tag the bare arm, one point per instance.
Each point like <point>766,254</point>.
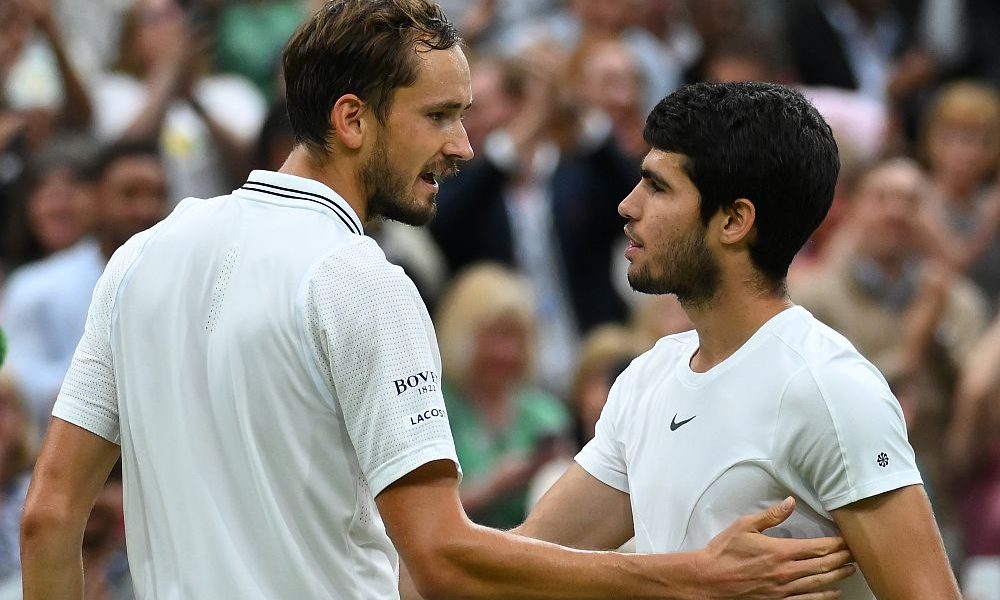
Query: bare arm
<point>450,557</point>
<point>978,385</point>
<point>566,513</point>
<point>69,474</point>
<point>77,107</point>
<point>896,543</point>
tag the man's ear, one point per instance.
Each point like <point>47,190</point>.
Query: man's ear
<point>738,222</point>
<point>348,121</point>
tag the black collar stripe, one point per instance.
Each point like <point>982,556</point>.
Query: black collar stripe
<point>320,196</point>
<point>350,225</point>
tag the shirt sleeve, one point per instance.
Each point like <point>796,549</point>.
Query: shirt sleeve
<point>89,394</point>
<point>604,456</point>
<point>841,432</point>
<point>375,342</point>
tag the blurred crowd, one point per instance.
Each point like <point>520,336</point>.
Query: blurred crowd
<point>112,113</point>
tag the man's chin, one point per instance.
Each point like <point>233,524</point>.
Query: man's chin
<point>417,216</point>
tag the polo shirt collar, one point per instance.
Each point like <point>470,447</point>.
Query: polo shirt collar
<point>294,190</point>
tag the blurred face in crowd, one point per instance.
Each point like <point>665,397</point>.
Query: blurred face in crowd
<point>159,26</point>
<point>421,141</point>
<point>606,15</point>
<point>131,197</point>
<point>964,154</point>
<point>610,79</point>
<point>499,359</point>
<point>59,210</point>
<point>886,206</point>
<point>494,106</point>
<point>715,19</point>
<point>667,247</point>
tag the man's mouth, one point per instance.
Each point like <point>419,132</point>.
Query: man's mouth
<point>633,242</point>
<point>439,172</point>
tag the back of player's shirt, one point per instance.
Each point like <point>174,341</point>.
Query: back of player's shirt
<point>256,341</point>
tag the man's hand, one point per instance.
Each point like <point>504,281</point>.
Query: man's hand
<point>741,562</point>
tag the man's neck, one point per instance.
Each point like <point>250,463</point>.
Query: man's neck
<point>731,318</point>
<point>338,175</point>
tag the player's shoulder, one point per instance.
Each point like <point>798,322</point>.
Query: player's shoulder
<point>360,265</point>
<point>813,342</point>
<point>826,363</point>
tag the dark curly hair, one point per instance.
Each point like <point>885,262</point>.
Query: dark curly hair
<point>760,141</point>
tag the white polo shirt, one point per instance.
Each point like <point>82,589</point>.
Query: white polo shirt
<point>267,373</point>
<point>796,411</point>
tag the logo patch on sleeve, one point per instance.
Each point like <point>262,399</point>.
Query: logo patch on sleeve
<point>423,382</point>
<point>882,459</point>
<point>430,413</point>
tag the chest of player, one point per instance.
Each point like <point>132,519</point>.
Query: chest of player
<point>700,450</point>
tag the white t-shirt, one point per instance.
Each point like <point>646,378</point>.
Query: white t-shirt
<point>795,411</point>
<point>267,373</point>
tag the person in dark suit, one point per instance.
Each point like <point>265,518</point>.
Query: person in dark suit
<point>564,170</point>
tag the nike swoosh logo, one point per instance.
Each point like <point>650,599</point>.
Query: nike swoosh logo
<point>674,424</point>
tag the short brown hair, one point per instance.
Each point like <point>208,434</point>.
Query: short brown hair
<point>362,47</point>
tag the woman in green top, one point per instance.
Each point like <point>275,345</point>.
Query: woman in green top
<point>505,429</point>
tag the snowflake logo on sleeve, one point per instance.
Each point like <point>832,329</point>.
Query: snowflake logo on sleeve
<point>882,459</point>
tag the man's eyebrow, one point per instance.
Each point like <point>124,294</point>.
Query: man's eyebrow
<point>648,174</point>
<point>448,105</point>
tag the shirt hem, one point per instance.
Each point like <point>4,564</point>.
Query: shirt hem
<point>388,473</point>
<point>874,488</point>
<point>606,476</point>
<point>96,424</point>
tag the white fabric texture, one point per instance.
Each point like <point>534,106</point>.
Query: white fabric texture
<point>267,373</point>
<point>796,411</point>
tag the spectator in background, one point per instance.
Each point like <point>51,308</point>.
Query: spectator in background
<point>604,353</point>
<point>162,90</point>
<point>505,429</point>
<point>905,311</point>
<point>55,211</point>
<point>960,144</point>
<point>498,88</point>
<point>39,81</point>
<point>583,21</point>
<point>541,197</point>
<point>605,78</point>
<point>715,22</point>
<point>972,442</point>
<point>858,45</point>
<point>18,443</point>
<point>972,454</point>
<point>45,303</point>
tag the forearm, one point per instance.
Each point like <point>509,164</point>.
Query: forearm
<point>484,563</point>
<point>77,107</point>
